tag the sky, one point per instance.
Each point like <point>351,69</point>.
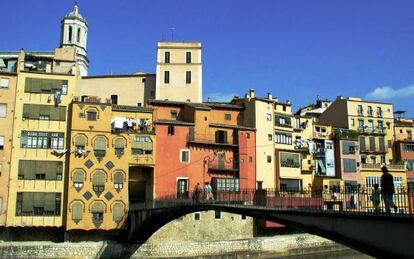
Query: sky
<point>296,49</point>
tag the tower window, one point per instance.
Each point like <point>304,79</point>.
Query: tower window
<point>78,36</point>
<point>167,57</point>
<point>188,77</point>
<point>188,57</point>
<point>166,77</point>
<point>70,34</point>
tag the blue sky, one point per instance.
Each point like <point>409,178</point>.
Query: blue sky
<point>296,49</point>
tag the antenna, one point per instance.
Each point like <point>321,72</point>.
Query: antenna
<point>172,29</point>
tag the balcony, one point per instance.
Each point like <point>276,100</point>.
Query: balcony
<point>223,166</point>
<point>322,135</point>
<point>372,131</point>
<point>208,139</point>
<point>284,125</point>
<point>373,151</point>
<point>346,134</point>
<point>377,167</point>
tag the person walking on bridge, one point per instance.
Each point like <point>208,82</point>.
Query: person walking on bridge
<point>387,189</point>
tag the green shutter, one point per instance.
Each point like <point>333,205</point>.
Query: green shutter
<point>80,141</point>
<point>34,112</point>
<point>78,176</point>
<point>98,207</point>
<point>100,143</point>
<point>77,210</point>
<point>26,111</point>
<point>36,85</point>
<point>119,143</point>
<point>118,212</point>
<point>62,113</point>
<point>28,85</point>
<point>99,178</point>
<point>49,202</point>
<point>118,177</point>
<point>47,85</point>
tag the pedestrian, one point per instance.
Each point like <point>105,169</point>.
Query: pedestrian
<point>197,192</point>
<point>210,195</point>
<point>376,198</point>
<point>387,189</point>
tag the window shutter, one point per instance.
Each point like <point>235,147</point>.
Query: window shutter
<point>78,176</point>
<point>98,207</point>
<point>119,143</point>
<point>100,143</point>
<point>118,177</point>
<point>34,112</point>
<point>99,178</point>
<point>46,85</point>
<point>80,141</point>
<point>118,212</point>
<point>28,85</point>
<point>3,110</point>
<point>62,113</point>
<point>49,201</point>
<point>26,111</point>
<point>77,210</point>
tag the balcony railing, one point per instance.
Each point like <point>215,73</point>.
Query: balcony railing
<point>209,139</point>
<point>400,167</point>
<point>373,130</point>
<point>319,134</point>
<point>223,166</point>
<point>346,134</point>
<point>285,125</point>
<point>373,151</point>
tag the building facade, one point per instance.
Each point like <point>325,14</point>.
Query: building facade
<point>111,163</point>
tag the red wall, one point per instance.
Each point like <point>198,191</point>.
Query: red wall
<point>169,168</point>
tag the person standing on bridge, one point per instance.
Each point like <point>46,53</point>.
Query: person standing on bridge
<point>376,198</point>
<point>197,193</point>
<point>387,189</point>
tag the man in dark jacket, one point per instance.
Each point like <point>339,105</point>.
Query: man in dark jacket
<point>387,189</point>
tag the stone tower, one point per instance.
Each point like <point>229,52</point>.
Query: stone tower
<point>74,33</point>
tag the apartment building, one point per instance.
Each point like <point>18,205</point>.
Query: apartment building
<point>8,82</point>
<point>44,90</point>
<point>374,123</point>
<point>404,145</point>
<point>111,163</point>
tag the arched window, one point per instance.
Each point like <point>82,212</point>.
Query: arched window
<point>97,210</point>
<point>98,181</point>
<point>77,211</point>
<point>118,181</point>
<point>78,35</point>
<point>91,115</point>
<point>70,34</point>
<point>78,179</point>
<point>118,212</point>
<point>119,145</point>
<point>99,147</point>
<point>80,143</point>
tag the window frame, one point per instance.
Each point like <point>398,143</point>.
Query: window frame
<point>182,151</point>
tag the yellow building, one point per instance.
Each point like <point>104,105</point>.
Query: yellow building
<point>8,82</point>
<point>112,162</point>
<point>179,71</point>
<point>374,122</point>
<point>45,87</point>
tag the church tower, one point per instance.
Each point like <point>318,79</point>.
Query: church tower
<point>74,33</point>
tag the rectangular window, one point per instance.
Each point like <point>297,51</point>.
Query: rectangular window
<point>379,112</point>
<point>3,110</point>
<point>269,137</point>
<point>185,156</point>
<point>269,117</point>
<point>247,135</point>
<point>174,115</point>
<point>188,77</point>
<point>139,104</point>
<point>360,110</point>
<point>289,160</point>
<point>38,204</point>
<point>349,165</point>
<point>167,57</point>
<point>269,159</point>
<point>370,111</point>
<point>348,147</point>
<point>45,86</point>
<point>196,216</point>
<point>226,184</point>
<point>227,116</point>
<point>166,77</point>
<point>44,112</point>
<point>217,214</point>
<point>283,138</point>
<point>171,130</point>
<point>362,145</point>
<point>290,185</point>
<point>1,142</point>
<point>372,143</point>
<point>91,115</point>
<point>42,140</point>
<point>40,170</point>
<point>4,82</point>
<point>188,57</point>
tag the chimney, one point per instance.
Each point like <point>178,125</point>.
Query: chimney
<point>251,93</point>
<point>269,96</point>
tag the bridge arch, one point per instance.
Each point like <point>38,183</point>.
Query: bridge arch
<point>379,236</point>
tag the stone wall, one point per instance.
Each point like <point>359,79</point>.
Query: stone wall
<point>283,245</point>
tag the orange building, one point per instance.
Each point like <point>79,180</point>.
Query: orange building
<point>200,143</point>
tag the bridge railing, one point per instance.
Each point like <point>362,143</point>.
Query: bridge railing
<point>356,200</point>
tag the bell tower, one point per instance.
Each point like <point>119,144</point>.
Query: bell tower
<point>74,33</point>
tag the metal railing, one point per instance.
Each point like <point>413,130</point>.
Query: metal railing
<point>350,200</point>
